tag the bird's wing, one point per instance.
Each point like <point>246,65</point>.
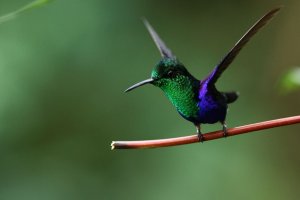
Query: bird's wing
<point>220,68</point>
<point>163,49</point>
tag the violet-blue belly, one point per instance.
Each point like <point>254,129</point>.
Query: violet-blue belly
<point>211,112</point>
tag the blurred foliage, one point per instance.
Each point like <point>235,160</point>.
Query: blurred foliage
<point>290,80</point>
<point>33,4</point>
<point>63,70</point>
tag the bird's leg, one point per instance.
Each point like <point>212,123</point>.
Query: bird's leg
<point>200,136</point>
<point>224,129</point>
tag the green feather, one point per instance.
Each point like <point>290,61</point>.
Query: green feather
<point>181,93</point>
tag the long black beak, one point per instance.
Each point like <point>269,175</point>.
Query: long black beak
<point>150,80</point>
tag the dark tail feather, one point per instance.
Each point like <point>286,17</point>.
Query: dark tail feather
<point>231,96</point>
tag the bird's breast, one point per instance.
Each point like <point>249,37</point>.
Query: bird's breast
<point>183,98</point>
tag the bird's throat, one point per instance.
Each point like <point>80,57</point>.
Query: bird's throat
<point>183,93</point>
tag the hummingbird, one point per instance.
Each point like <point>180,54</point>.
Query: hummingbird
<point>198,101</point>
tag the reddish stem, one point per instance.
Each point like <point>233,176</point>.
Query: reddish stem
<point>208,136</point>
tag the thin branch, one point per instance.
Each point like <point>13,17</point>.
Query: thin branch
<point>208,136</point>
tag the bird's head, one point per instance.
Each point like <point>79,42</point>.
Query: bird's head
<point>169,73</point>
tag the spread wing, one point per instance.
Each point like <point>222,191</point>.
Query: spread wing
<point>163,49</point>
<point>222,66</point>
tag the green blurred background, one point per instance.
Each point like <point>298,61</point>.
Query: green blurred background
<point>63,70</point>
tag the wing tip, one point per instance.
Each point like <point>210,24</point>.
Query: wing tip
<point>164,51</point>
<point>275,10</point>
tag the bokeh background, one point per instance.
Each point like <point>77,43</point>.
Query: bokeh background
<point>63,70</point>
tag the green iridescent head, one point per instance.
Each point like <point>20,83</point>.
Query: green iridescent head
<point>167,68</point>
<point>168,72</point>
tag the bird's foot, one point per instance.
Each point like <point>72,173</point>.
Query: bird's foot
<point>225,134</point>
<point>200,137</point>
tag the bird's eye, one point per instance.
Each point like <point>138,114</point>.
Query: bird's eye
<point>170,73</point>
